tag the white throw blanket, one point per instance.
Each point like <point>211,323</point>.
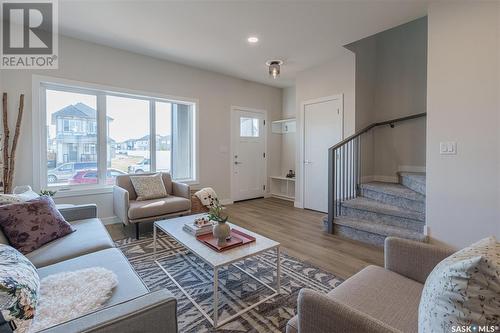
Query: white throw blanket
<point>68,295</point>
<point>206,195</point>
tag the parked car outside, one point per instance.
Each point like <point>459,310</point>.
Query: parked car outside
<point>67,170</point>
<point>90,176</point>
<point>141,167</point>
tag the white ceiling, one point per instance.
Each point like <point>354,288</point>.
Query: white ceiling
<point>212,35</point>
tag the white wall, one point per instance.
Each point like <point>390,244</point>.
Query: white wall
<point>498,94</point>
<point>87,62</point>
<point>332,78</point>
<point>463,201</point>
<point>288,140</point>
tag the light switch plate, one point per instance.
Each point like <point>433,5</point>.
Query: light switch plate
<point>448,148</point>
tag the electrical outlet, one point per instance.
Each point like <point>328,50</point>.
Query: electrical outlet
<point>448,148</point>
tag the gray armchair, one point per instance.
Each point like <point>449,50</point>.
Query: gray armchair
<point>376,299</point>
<point>131,211</point>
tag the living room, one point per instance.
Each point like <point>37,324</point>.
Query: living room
<point>250,166</point>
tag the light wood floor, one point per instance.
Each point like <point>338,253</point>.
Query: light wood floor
<point>299,231</point>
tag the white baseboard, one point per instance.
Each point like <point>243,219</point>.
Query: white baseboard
<point>226,202</point>
<point>367,179</point>
<point>411,168</point>
<point>386,179</point>
<point>298,204</point>
<point>110,220</point>
<point>379,178</point>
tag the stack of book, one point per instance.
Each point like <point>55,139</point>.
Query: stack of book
<point>196,230</point>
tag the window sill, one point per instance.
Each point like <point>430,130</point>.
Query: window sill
<point>188,182</point>
<point>78,192</point>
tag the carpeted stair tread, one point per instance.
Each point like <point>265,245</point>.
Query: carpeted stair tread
<point>414,181</point>
<point>378,207</point>
<point>394,189</point>
<point>380,229</point>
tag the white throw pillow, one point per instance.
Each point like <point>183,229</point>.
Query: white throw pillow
<point>463,290</point>
<point>28,195</point>
<point>68,295</point>
<point>149,187</point>
<point>6,199</point>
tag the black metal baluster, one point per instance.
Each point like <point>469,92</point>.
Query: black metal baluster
<point>352,169</point>
<point>335,183</point>
<point>341,178</point>
<point>360,165</point>
<point>345,174</point>
<point>331,182</point>
<point>356,168</point>
<point>351,176</point>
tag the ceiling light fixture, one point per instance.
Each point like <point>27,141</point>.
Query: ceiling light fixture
<point>274,67</point>
<point>252,39</point>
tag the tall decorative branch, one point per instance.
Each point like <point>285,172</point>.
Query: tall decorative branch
<point>9,161</point>
<point>12,157</point>
<point>5,143</point>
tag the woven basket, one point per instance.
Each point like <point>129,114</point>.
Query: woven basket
<point>196,206</point>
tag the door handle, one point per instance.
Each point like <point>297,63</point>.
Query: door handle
<point>236,162</point>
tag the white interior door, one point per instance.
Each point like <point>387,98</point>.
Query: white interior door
<point>248,154</point>
<point>322,129</point>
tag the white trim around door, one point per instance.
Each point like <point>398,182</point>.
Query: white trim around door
<point>235,109</point>
<point>299,201</point>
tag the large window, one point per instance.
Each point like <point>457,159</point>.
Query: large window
<point>93,135</point>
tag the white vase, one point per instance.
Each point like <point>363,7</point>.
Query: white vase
<point>221,231</point>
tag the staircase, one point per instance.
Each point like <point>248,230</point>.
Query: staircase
<point>372,211</point>
<point>385,209</point>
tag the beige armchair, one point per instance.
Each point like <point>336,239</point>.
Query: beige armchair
<point>376,299</point>
<point>131,211</point>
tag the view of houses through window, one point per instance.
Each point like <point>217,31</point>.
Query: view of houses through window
<point>73,154</point>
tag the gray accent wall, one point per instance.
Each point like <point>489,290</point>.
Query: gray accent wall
<point>391,82</point>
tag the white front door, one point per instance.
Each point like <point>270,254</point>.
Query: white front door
<point>322,129</point>
<point>248,154</point>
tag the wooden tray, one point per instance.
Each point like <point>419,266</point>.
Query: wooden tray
<point>238,238</point>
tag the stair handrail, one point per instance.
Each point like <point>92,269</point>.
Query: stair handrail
<point>381,123</point>
<point>350,166</point>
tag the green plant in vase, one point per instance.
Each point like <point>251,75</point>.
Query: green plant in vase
<point>221,230</point>
<point>49,193</point>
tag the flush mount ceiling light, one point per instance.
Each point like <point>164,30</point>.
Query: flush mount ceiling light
<point>274,67</point>
<point>253,39</point>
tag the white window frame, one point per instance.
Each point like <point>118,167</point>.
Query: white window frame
<point>39,120</point>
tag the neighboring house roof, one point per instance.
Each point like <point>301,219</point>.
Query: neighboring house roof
<point>145,138</point>
<point>78,110</point>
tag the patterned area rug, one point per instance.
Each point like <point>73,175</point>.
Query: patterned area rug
<point>235,288</point>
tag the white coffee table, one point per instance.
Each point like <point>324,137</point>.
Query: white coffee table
<point>217,260</point>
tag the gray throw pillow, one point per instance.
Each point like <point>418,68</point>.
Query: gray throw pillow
<point>463,290</point>
<point>149,186</point>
